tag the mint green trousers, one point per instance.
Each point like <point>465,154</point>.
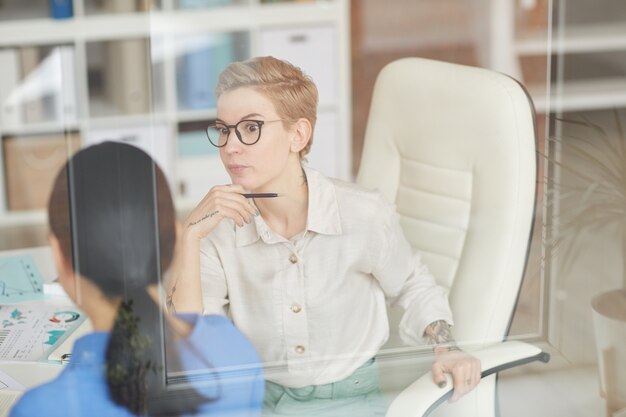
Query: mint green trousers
<point>358,395</point>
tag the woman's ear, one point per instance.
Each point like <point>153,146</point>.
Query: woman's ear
<point>63,266</point>
<point>301,136</point>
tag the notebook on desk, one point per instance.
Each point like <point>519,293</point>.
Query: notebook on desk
<point>7,399</point>
<point>10,392</point>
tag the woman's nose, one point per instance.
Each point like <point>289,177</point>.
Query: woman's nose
<point>233,144</point>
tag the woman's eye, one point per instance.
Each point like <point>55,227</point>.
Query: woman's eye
<point>252,127</point>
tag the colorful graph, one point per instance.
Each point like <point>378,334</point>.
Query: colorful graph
<point>31,331</point>
<point>15,317</point>
<point>16,314</point>
<point>64,317</point>
<point>54,336</point>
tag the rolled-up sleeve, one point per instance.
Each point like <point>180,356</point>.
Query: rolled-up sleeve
<point>213,280</point>
<point>405,279</point>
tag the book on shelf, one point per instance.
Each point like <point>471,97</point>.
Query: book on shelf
<point>203,58</point>
<point>61,9</point>
<point>127,75</point>
<point>120,6</point>
<point>202,4</point>
<point>10,112</point>
<point>66,98</point>
<point>32,103</point>
<point>31,164</point>
<point>38,85</point>
<point>289,1</point>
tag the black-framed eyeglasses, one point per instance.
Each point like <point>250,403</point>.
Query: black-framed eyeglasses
<point>248,131</point>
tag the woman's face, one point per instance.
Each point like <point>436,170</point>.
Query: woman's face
<point>261,164</point>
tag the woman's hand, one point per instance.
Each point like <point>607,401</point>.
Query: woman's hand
<point>184,292</point>
<point>221,202</point>
<point>464,368</point>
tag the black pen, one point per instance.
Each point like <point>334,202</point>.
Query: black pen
<point>261,195</point>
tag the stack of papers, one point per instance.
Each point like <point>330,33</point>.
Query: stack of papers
<point>34,323</point>
<point>32,331</point>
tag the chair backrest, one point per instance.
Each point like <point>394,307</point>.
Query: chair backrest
<point>454,148</point>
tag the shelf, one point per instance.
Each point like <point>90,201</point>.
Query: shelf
<point>582,95</point>
<point>596,38</point>
<point>24,218</point>
<point>135,25</point>
<point>196,115</point>
<point>127,120</point>
<point>37,128</point>
<point>313,35</point>
<point>50,31</point>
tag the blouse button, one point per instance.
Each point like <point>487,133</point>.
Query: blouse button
<point>296,308</point>
<point>299,349</point>
<point>293,258</point>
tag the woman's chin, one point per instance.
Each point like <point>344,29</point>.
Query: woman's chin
<point>246,184</point>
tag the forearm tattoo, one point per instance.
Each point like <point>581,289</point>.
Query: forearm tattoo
<point>208,216</point>
<point>439,335</point>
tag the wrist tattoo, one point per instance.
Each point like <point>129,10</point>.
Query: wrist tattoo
<point>170,301</point>
<point>208,216</point>
<point>439,335</point>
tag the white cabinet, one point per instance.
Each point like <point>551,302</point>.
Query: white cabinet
<point>146,75</point>
<point>311,48</point>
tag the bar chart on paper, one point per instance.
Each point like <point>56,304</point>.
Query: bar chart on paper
<point>29,332</point>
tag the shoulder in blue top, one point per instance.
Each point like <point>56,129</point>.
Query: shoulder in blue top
<point>216,359</point>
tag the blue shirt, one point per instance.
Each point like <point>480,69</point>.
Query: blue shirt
<point>81,388</point>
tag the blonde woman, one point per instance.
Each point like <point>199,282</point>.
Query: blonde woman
<point>305,275</point>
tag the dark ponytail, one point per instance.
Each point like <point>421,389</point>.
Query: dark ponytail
<point>112,212</point>
<point>131,357</point>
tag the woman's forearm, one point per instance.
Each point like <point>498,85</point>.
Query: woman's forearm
<point>184,290</point>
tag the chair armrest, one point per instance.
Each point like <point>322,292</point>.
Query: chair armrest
<point>421,397</point>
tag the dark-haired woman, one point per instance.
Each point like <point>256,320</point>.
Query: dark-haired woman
<point>113,234</point>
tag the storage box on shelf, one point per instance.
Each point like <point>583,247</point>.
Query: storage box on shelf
<point>150,81</point>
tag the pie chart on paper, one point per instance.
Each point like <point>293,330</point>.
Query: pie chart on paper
<point>64,317</point>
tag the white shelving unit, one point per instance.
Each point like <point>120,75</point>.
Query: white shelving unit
<point>313,35</point>
<point>505,46</point>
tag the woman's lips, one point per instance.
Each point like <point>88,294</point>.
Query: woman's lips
<point>236,169</point>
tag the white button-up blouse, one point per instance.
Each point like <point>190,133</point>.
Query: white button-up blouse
<point>317,303</point>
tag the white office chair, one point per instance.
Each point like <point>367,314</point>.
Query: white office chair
<point>454,148</point>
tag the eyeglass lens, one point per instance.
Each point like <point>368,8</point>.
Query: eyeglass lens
<point>247,131</point>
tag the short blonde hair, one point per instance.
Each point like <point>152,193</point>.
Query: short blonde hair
<point>292,92</point>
